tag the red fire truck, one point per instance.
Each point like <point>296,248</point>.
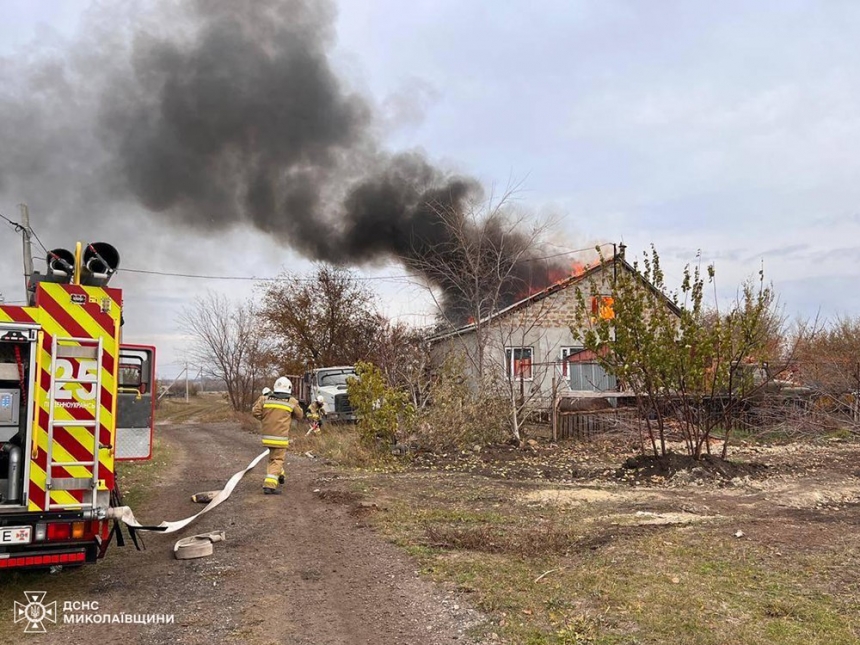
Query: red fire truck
<point>74,401</point>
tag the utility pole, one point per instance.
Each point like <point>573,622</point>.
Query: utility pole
<point>28,249</point>
<point>186,381</point>
<point>170,387</point>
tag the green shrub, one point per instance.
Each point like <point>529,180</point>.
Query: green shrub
<point>381,409</point>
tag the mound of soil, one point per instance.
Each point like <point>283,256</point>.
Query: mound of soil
<point>708,467</point>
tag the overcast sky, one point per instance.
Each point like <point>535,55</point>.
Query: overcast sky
<point>730,127</point>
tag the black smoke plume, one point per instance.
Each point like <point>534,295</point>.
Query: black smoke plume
<point>217,113</point>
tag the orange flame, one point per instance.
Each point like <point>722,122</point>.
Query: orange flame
<point>555,275</point>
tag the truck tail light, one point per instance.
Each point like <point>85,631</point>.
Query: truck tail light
<point>59,531</point>
<point>63,531</point>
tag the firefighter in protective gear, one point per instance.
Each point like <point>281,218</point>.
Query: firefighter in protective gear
<point>259,403</point>
<point>316,412</point>
<point>277,412</point>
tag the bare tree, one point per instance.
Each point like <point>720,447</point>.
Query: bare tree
<point>401,353</point>
<point>228,345</point>
<point>830,361</point>
<point>521,382</point>
<point>485,262</point>
<point>479,267</point>
<point>328,318</point>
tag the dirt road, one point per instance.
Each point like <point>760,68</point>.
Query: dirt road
<point>295,568</point>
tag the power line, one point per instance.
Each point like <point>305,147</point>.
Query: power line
<point>558,255</point>
<point>18,227</point>
<point>199,276</point>
<point>194,275</point>
<point>47,252</point>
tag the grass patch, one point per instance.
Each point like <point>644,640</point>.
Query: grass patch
<point>204,408</point>
<point>569,576</point>
<point>136,478</point>
<point>526,541</point>
<point>340,443</point>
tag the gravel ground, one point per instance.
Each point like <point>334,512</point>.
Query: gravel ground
<point>295,568</point>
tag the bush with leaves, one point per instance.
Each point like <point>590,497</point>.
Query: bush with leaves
<point>381,409</point>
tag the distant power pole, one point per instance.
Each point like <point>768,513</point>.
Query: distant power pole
<point>28,249</point>
<point>186,381</point>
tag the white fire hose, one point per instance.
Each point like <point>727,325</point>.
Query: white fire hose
<point>198,544</point>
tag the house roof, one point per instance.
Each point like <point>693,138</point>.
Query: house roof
<point>539,295</point>
<point>548,291</point>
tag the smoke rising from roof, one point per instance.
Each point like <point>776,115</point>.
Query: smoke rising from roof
<point>218,113</point>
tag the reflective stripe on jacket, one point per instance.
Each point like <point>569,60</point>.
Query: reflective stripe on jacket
<point>278,405</point>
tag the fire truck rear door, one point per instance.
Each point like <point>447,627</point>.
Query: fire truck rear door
<point>135,403</point>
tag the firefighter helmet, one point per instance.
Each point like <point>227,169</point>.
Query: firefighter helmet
<point>284,385</point>
<point>320,399</point>
<point>267,391</point>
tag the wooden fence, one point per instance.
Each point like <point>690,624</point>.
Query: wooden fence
<point>587,424</point>
<point>770,412</point>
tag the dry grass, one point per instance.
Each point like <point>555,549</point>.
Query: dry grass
<point>339,443</point>
<point>206,408</point>
<point>544,537</point>
<point>569,574</point>
<point>135,478</point>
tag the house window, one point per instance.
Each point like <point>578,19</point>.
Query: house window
<point>518,362</point>
<point>602,307</point>
<point>584,374</point>
<point>590,377</point>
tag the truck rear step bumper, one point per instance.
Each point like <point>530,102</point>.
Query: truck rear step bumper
<point>38,558</point>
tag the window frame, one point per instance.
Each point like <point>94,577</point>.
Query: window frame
<point>510,370</point>
<point>565,365</point>
<point>135,364</point>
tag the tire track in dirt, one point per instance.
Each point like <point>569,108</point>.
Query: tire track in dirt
<point>294,569</point>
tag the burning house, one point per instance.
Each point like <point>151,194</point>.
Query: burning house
<point>531,342</point>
